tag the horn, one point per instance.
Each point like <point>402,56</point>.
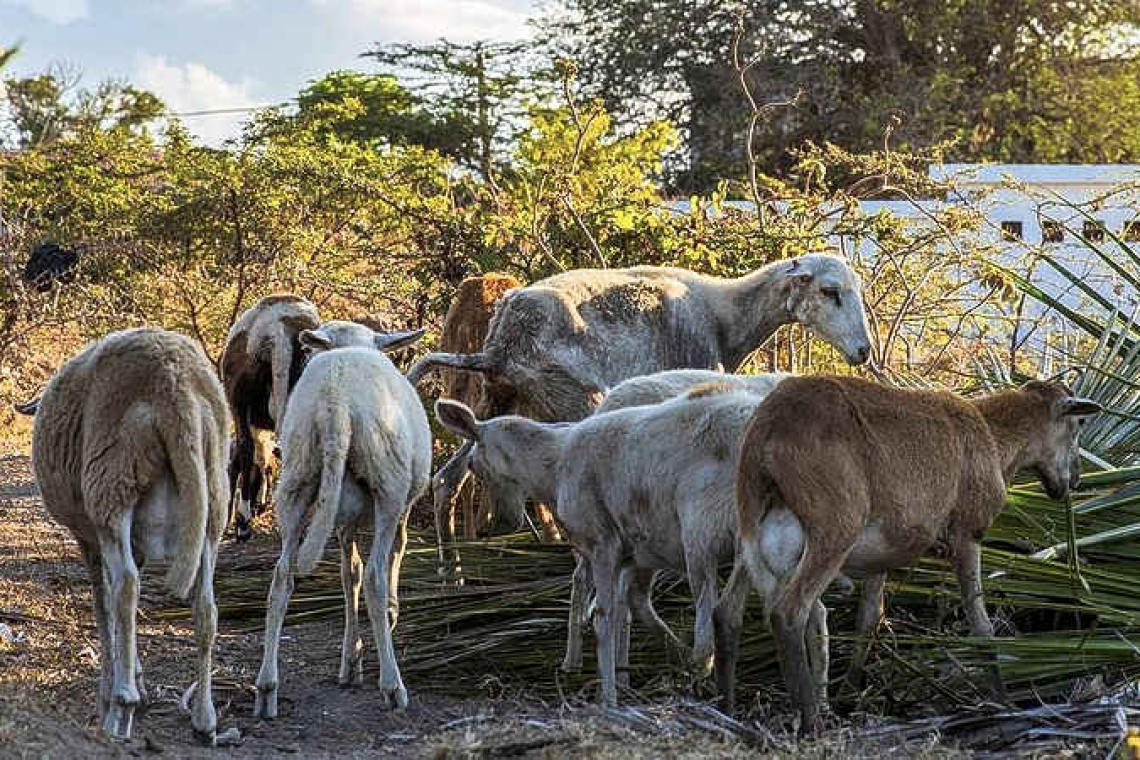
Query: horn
<point>466,362</point>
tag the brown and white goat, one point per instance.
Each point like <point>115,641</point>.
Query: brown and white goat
<point>261,363</point>
<point>839,474</point>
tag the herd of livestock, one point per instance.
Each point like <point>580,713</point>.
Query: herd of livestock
<point>606,398</point>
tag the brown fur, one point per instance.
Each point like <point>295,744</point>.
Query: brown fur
<point>130,448</point>
<point>876,475</point>
<point>464,330</point>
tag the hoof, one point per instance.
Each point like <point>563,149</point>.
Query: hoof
<point>265,704</point>
<point>207,738</point>
<point>395,699</point>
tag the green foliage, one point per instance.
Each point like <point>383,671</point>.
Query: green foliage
<point>1016,81</point>
<point>49,106</point>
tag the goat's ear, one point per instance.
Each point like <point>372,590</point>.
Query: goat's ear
<point>392,341</point>
<point>1077,407</point>
<point>299,321</point>
<point>458,418</point>
<point>314,340</point>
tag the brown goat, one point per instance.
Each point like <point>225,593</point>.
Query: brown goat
<point>842,474</point>
<point>464,331</point>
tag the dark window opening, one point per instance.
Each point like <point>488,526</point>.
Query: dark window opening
<point>1131,231</point>
<point>1052,232</point>
<point>1093,231</point>
<point>1011,231</point>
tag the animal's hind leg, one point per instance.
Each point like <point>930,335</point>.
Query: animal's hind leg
<point>727,621</point>
<point>641,603</point>
<point>605,564</point>
<point>867,619</point>
<point>394,566</point>
<point>121,578</point>
<point>202,716</point>
<point>94,565</point>
<point>389,512</point>
<point>351,580</point>
<point>818,648</point>
<point>622,633</point>
<point>289,511</point>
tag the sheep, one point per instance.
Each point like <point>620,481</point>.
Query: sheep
<point>641,391</point>
<point>839,473</point>
<point>637,490</point>
<point>356,445</point>
<point>260,364</point>
<point>129,448</point>
<point>556,346</point>
<point>465,329</point>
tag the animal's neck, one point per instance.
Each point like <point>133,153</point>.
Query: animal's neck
<point>537,461</point>
<point>748,310</point>
<point>1009,421</point>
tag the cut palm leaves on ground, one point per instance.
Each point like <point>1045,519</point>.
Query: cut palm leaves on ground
<point>505,629</point>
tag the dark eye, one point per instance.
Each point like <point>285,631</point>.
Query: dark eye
<point>833,294</point>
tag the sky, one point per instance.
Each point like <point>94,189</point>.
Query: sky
<point>216,54</point>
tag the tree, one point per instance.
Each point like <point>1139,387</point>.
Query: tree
<point>371,109</point>
<point>46,107</point>
<point>474,90</point>
<point>1009,80</point>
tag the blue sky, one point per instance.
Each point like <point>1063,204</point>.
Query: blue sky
<point>210,54</point>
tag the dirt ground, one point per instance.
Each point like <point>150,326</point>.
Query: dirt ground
<point>49,672</point>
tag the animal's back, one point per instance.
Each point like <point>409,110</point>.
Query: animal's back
<point>591,329</point>
<point>899,453</point>
<point>667,462</point>
<point>661,386</point>
<point>99,436</point>
<point>361,394</point>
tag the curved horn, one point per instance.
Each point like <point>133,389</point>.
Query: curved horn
<point>28,407</point>
<point>466,362</point>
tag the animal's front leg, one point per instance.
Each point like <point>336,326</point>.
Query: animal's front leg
<point>446,484</point>
<point>968,566</point>
<point>351,581</point>
<point>867,619</point>
<point>581,584</point>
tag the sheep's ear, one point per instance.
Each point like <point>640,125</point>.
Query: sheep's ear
<point>458,418</point>
<point>1077,407</point>
<point>314,340</point>
<point>392,341</point>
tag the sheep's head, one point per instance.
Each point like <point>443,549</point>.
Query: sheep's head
<point>341,334</point>
<point>1054,453</point>
<point>492,459</point>
<point>825,294</point>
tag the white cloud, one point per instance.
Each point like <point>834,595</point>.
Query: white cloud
<point>420,21</point>
<point>56,11</point>
<point>193,87</point>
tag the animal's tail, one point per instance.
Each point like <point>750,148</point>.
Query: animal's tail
<point>335,459</point>
<point>182,435</point>
<point>28,407</point>
<point>467,362</point>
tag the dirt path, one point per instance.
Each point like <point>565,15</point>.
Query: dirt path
<point>48,676</point>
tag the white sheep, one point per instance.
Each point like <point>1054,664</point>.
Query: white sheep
<point>638,490</point>
<point>130,447</point>
<point>355,444</point>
